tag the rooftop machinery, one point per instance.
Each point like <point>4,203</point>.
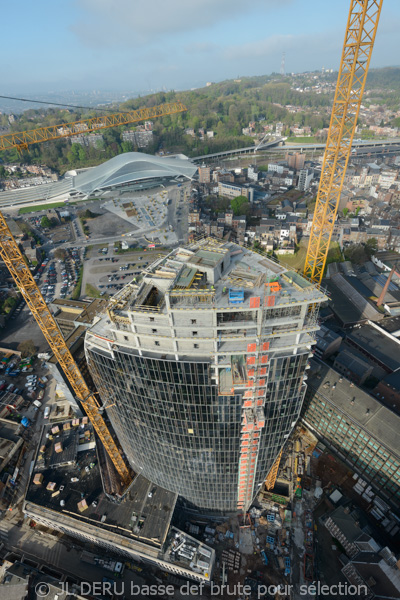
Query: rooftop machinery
<point>359,41</point>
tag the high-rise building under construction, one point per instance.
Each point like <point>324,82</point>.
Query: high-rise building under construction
<point>201,367</point>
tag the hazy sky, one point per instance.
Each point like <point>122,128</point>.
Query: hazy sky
<point>136,45</point>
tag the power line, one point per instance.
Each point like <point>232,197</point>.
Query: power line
<point>59,104</point>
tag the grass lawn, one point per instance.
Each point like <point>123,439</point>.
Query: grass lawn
<point>92,291</point>
<point>40,207</point>
<point>296,261</point>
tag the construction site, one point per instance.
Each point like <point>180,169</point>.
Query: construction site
<point>199,371</point>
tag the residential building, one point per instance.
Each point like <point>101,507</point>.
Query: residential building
<point>204,174</point>
<point>305,178</point>
<point>140,137</point>
<point>202,365</point>
<point>275,168</point>
<point>295,160</point>
<point>230,190</point>
<point>253,173</point>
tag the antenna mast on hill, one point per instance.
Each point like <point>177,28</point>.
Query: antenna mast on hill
<point>283,64</point>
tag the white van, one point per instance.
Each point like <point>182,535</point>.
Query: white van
<point>46,412</point>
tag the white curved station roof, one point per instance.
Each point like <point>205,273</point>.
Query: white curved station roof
<point>132,167</point>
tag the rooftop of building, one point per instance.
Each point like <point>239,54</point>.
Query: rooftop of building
<point>362,408</point>
<point>391,325</point>
<point>326,336</point>
<point>350,300</point>
<point>393,380</point>
<point>383,580</point>
<point>353,363</point>
<point>132,167</point>
<point>347,523</point>
<point>20,579</point>
<point>67,480</point>
<point>73,340</point>
<point>212,273</point>
<point>76,310</point>
<point>381,347</point>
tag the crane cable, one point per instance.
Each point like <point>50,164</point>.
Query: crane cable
<point>61,104</point>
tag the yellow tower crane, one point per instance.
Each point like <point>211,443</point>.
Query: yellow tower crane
<point>44,134</point>
<point>356,55</point>
<point>22,276</point>
<point>359,41</point>
<point>15,263</point>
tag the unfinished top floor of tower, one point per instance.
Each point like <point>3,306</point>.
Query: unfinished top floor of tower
<point>212,291</point>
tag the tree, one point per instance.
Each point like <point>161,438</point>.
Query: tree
<point>27,348</point>
<point>237,203</point>
<point>9,304</point>
<point>345,211</point>
<point>45,222</point>
<point>371,247</point>
<point>60,254</point>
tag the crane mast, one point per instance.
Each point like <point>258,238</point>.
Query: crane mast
<point>356,55</point>
<point>359,40</point>
<point>44,134</point>
<point>15,263</point>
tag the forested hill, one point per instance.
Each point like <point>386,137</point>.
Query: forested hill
<point>224,108</point>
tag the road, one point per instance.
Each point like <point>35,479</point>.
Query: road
<point>372,146</point>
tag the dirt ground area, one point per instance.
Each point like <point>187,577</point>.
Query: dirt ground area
<point>62,234</point>
<point>23,328</point>
<point>107,224</point>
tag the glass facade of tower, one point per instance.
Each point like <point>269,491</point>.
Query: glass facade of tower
<point>180,433</point>
<point>202,366</point>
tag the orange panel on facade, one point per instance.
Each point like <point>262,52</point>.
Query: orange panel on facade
<point>263,371</point>
<point>248,394</point>
<point>265,346</point>
<point>251,347</point>
<point>260,392</point>
<point>271,301</point>
<point>261,382</point>
<point>260,402</point>
<point>247,403</point>
<point>251,360</point>
<point>250,372</point>
<point>255,302</point>
<point>264,359</point>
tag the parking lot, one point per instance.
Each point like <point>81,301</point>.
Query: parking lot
<point>109,272</point>
<point>58,278</point>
